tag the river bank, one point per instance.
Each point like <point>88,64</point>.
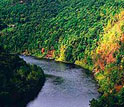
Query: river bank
<point>66,85</point>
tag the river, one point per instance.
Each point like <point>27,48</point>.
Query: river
<point>66,85</point>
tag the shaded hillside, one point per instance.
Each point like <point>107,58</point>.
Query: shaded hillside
<point>18,81</point>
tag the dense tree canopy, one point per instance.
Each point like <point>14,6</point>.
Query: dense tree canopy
<point>89,33</point>
<point>18,81</point>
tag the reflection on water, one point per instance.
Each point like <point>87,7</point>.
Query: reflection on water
<point>66,85</point>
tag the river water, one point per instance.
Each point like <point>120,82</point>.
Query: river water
<point>66,85</point>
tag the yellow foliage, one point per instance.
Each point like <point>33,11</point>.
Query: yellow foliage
<point>83,64</point>
<point>62,53</point>
<point>109,42</point>
<point>100,77</point>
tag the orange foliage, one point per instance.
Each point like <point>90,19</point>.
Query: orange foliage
<point>109,43</point>
<point>42,50</point>
<point>100,63</point>
<point>105,56</point>
<point>118,87</point>
<point>50,54</point>
<point>109,58</point>
<point>96,70</point>
<point>122,38</point>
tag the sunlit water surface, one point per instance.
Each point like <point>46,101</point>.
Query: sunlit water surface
<point>66,85</point>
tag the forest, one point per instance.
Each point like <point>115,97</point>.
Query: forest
<point>89,33</point>
<point>18,80</point>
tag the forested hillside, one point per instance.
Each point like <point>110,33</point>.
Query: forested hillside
<point>18,81</point>
<point>89,33</point>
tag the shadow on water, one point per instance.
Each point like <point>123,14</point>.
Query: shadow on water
<point>66,85</point>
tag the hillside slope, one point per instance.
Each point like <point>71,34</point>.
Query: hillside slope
<point>18,81</point>
<point>89,33</point>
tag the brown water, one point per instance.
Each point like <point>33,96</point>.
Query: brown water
<point>66,85</point>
